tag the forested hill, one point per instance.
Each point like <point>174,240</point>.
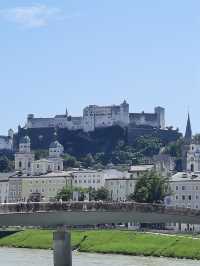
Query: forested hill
<point>102,140</point>
<point>77,142</point>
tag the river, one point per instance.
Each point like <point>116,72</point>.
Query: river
<point>27,257</point>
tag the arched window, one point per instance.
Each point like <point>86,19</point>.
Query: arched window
<point>29,164</point>
<point>192,167</point>
<point>20,164</point>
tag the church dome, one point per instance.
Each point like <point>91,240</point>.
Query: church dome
<point>25,140</point>
<point>55,145</point>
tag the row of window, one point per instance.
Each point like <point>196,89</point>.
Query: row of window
<point>42,190</point>
<point>48,181</point>
<point>183,197</point>
<point>121,186</point>
<point>87,181</point>
<point>185,187</point>
<point>85,176</point>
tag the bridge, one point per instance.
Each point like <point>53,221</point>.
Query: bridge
<point>88,213</point>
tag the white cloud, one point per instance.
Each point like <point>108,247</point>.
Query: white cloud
<point>34,16</point>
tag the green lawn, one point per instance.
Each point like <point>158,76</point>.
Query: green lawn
<point>112,241</point>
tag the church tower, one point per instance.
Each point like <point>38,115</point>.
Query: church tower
<point>188,132</point>
<point>186,143</point>
<point>24,158</point>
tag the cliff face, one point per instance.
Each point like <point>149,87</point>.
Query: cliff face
<point>165,136</point>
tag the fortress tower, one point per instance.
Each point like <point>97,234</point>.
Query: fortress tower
<point>160,111</point>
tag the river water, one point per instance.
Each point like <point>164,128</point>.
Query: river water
<point>27,257</point>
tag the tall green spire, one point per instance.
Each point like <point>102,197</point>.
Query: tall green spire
<point>188,132</point>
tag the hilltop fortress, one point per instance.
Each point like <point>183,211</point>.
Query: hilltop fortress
<point>99,129</point>
<point>100,117</point>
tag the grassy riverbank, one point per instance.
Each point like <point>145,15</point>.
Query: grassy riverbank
<point>118,242</point>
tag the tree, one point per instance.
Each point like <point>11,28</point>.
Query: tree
<point>174,149</point>
<point>151,188</point>
<point>65,194</point>
<point>70,161</point>
<point>102,194</point>
<point>99,194</point>
<point>148,146</point>
<point>5,164</point>
<point>196,138</point>
<point>88,160</point>
<point>102,158</point>
<point>98,166</point>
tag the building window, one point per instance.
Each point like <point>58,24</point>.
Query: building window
<point>183,187</point>
<point>190,197</point>
<point>192,167</point>
<point>20,164</point>
<point>183,197</point>
<point>176,197</point>
<point>176,187</point>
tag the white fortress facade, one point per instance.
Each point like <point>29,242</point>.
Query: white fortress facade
<point>95,116</point>
<point>60,121</point>
<point>104,116</point>
<point>6,142</point>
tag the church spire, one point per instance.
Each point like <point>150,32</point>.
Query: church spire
<point>188,132</point>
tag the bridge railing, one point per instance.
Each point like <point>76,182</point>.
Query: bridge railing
<point>94,206</point>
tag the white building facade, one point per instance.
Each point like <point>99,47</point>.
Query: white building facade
<point>4,186</point>
<point>185,189</point>
<point>47,186</point>
<point>120,188</point>
<point>88,179</point>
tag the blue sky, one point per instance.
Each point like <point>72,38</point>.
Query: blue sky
<point>71,53</point>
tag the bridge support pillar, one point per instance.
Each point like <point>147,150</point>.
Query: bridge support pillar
<point>62,248</point>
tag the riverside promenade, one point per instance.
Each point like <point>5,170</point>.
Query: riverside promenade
<point>91,213</point>
<point>58,215</point>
